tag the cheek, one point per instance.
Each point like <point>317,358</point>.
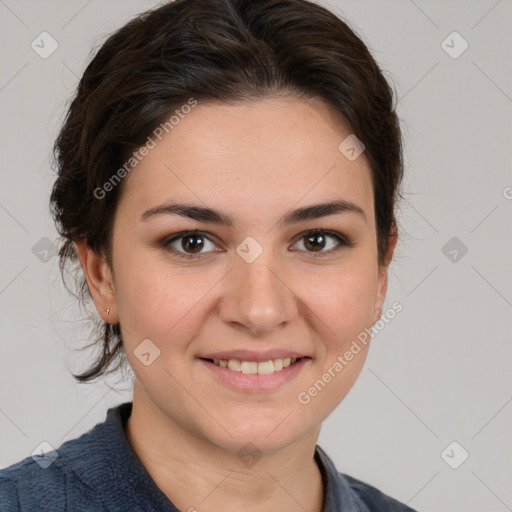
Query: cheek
<point>143,289</point>
<point>160,302</point>
<point>343,300</point>
<point>343,309</point>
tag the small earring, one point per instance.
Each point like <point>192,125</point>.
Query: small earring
<point>108,311</point>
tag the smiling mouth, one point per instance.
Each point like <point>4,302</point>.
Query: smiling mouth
<point>252,367</point>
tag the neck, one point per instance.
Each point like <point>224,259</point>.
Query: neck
<point>194,473</point>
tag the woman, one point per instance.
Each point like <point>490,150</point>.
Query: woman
<point>227,177</point>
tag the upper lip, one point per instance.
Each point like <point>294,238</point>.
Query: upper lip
<point>258,356</point>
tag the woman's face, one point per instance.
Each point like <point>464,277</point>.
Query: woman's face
<point>257,289</point>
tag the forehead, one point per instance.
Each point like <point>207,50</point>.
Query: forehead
<point>260,156</point>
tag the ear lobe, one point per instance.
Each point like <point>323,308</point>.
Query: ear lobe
<point>99,280</point>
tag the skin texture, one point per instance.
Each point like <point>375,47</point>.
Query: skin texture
<point>255,161</point>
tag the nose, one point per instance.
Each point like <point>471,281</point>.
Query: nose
<point>258,296</point>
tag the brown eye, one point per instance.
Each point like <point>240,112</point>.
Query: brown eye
<point>321,242</point>
<point>192,243</point>
<point>315,242</point>
<point>188,244</point>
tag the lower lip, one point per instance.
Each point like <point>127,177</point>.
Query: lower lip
<point>254,382</point>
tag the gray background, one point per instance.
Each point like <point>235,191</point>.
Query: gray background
<point>438,373</point>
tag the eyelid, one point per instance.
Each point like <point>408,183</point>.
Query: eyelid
<point>328,232</point>
<point>165,242</point>
<point>343,241</point>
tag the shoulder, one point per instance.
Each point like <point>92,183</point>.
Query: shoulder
<point>26,484</point>
<point>47,482</point>
<point>373,499</point>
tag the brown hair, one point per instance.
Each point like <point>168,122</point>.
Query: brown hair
<point>219,50</point>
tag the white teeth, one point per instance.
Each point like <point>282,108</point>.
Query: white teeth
<point>250,367</point>
<point>247,367</point>
<point>235,365</point>
<point>278,364</point>
<point>265,367</point>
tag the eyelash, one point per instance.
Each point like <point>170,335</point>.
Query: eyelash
<point>342,242</point>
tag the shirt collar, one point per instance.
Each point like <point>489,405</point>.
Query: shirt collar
<point>338,495</point>
<point>106,462</point>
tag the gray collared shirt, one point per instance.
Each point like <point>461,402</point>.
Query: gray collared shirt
<point>99,471</point>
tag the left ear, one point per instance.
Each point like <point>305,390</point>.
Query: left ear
<point>99,280</point>
<point>382,279</point>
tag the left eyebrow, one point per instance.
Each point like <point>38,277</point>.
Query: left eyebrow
<point>205,214</point>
